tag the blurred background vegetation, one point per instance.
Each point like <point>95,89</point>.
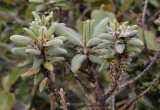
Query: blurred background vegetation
<point>20,94</point>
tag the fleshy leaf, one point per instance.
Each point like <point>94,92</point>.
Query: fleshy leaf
<point>77,62</point>
<point>54,42</point>
<point>33,51</point>
<point>21,39</point>
<point>37,63</point>
<point>104,66</point>
<point>69,34</point>
<point>56,51</point>
<point>100,28</point>
<point>135,42</point>
<point>95,59</point>
<point>20,51</point>
<point>93,42</point>
<point>120,48</point>
<point>30,34</point>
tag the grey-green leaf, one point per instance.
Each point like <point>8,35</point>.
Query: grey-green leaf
<point>51,29</point>
<point>134,49</point>
<point>35,28</point>
<point>104,66</point>
<point>54,42</point>
<point>104,44</point>
<point>56,51</point>
<point>61,38</point>
<point>123,35</point>
<point>71,52</point>
<point>37,63</point>
<point>70,35</point>
<point>21,39</point>
<point>30,34</point>
<point>133,33</point>
<point>36,1</point>
<point>135,42</point>
<point>100,28</point>
<point>120,48</point>
<point>36,16</point>
<point>93,42</point>
<point>95,59</point>
<point>107,36</point>
<point>33,51</point>
<point>38,78</point>
<point>77,62</point>
<point>19,51</point>
<point>56,59</point>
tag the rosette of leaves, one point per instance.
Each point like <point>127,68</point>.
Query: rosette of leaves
<point>118,39</point>
<point>85,45</point>
<point>47,5</point>
<point>158,23</point>
<point>119,43</point>
<point>42,45</point>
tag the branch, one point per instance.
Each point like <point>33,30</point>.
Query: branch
<point>83,14</point>
<point>113,102</point>
<point>81,82</point>
<point>142,94</point>
<point>78,105</point>
<point>143,20</point>
<point>14,18</point>
<point>142,74</point>
<point>63,101</point>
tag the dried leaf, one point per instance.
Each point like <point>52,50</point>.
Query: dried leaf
<point>43,84</point>
<point>48,66</point>
<point>30,72</point>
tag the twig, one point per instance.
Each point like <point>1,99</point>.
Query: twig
<point>153,17</point>
<point>116,2</point>
<point>142,94</point>
<point>81,82</point>
<point>78,105</point>
<point>142,74</point>
<point>83,14</point>
<point>143,20</point>
<point>14,18</point>
<point>51,101</point>
<point>95,104</point>
<point>63,101</point>
<point>115,72</point>
<point>113,102</point>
